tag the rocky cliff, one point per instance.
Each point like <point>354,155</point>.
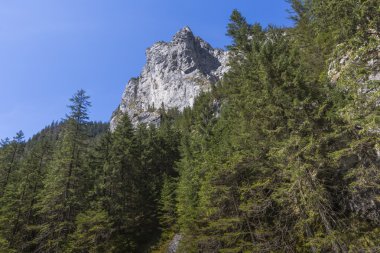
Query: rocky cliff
<point>175,73</point>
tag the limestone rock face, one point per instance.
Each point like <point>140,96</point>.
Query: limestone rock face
<point>175,73</point>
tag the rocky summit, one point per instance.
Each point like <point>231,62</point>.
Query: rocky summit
<point>175,73</point>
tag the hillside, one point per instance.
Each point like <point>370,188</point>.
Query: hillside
<point>271,147</point>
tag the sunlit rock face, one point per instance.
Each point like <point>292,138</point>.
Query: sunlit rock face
<point>175,73</point>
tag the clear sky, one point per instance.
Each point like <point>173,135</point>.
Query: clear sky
<point>51,48</point>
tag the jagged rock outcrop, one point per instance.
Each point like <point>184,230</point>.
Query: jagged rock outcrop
<point>175,73</point>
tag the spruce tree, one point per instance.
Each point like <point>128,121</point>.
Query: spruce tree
<point>65,186</point>
<point>11,152</point>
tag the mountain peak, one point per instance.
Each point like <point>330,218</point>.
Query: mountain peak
<point>175,73</point>
<point>184,34</point>
<point>185,29</point>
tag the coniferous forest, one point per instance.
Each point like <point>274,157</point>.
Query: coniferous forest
<point>282,155</point>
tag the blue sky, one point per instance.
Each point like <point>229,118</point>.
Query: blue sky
<point>51,48</point>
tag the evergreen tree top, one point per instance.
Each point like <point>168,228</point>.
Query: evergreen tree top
<point>79,107</point>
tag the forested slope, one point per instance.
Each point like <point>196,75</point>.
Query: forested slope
<point>282,155</point>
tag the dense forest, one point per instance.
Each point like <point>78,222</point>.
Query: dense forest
<point>282,155</point>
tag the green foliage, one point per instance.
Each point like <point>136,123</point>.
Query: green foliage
<point>270,175</point>
<point>92,234</point>
<point>281,156</point>
<point>65,185</point>
<point>168,214</point>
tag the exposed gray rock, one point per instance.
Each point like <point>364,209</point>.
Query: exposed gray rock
<point>358,71</point>
<point>366,205</point>
<point>175,73</point>
<point>173,246</point>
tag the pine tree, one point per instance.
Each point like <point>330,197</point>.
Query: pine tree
<point>65,186</point>
<point>10,155</point>
<point>20,205</point>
